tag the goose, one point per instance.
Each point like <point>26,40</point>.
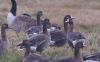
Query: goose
<point>34,30</point>
<point>21,22</point>
<point>4,40</point>
<point>28,56</point>
<point>58,37</point>
<point>77,55</point>
<point>52,26</point>
<point>73,36</point>
<point>93,58</point>
<point>41,41</point>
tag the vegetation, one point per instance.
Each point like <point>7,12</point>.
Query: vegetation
<point>86,13</point>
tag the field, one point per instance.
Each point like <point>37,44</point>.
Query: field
<point>85,12</point>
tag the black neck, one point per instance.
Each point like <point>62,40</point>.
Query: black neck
<point>38,20</point>
<point>65,26</point>
<point>27,52</point>
<point>14,7</point>
<point>71,25</point>
<point>3,34</point>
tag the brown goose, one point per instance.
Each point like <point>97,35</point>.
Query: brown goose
<point>41,41</point>
<point>77,55</point>
<point>72,36</point>
<point>4,40</point>
<point>28,57</point>
<point>34,30</point>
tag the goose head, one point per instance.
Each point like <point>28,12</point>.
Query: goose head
<point>39,13</point>
<point>5,26</point>
<point>24,44</point>
<point>79,43</point>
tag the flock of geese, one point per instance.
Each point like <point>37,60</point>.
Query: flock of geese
<point>42,34</point>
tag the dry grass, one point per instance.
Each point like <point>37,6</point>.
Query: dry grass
<point>87,21</point>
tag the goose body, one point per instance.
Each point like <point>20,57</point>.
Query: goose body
<point>58,37</point>
<point>29,57</point>
<point>94,57</point>
<point>72,37</point>
<point>77,55</point>
<point>4,40</point>
<point>34,30</point>
<point>21,22</point>
<point>40,41</point>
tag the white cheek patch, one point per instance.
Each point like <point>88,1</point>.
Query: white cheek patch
<point>33,48</point>
<point>10,18</point>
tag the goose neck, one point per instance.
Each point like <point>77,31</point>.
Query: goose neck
<point>38,20</point>
<point>14,7</point>
<point>3,34</point>
<point>66,27</point>
<point>77,54</point>
<point>27,52</point>
<point>71,26</point>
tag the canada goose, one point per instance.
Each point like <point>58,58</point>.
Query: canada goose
<point>41,41</point>
<point>77,55</point>
<point>93,58</point>
<point>28,56</point>
<point>4,40</point>
<point>19,23</point>
<point>73,36</point>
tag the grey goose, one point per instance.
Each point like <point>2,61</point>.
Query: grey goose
<point>28,56</point>
<point>77,55</point>
<point>4,41</point>
<point>73,37</point>
<point>40,41</point>
<point>34,30</point>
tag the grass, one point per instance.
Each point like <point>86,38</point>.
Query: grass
<point>87,21</point>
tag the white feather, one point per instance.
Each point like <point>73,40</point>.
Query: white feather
<point>91,61</point>
<point>52,42</point>
<point>10,18</point>
<point>33,48</point>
